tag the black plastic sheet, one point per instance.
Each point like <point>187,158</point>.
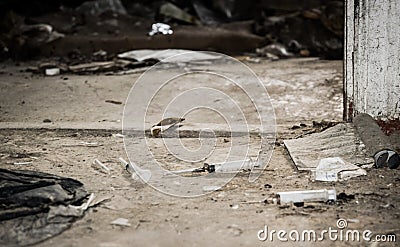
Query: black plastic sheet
<point>34,206</point>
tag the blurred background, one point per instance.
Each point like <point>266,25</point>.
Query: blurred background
<point>97,30</point>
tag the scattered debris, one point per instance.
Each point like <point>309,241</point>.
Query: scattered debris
<point>323,125</point>
<point>23,163</point>
<point>209,188</point>
<point>342,196</point>
<point>273,51</point>
<point>335,169</point>
<point>103,66</point>
<point>114,102</point>
<point>235,230</point>
<point>36,206</point>
<point>294,127</point>
<point>171,55</point>
<point>234,206</point>
<point>118,135</point>
<point>121,222</point>
<point>114,66</point>
<point>388,205</point>
<point>321,38</point>
<point>160,28</point>
<point>301,125</point>
<point>84,144</point>
<point>52,71</point>
<point>99,55</point>
<point>103,166</point>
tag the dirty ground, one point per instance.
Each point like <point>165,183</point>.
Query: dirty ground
<point>48,121</point>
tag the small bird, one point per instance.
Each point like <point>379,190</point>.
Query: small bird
<point>164,125</point>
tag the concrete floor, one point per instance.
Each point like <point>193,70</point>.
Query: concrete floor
<point>301,91</point>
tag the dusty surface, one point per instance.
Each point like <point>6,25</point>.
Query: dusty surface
<point>301,91</point>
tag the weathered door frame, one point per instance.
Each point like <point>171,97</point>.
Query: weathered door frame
<point>372,59</point>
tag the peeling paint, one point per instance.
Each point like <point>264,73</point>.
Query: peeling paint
<point>372,61</point>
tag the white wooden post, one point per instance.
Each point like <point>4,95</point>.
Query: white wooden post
<point>372,59</point>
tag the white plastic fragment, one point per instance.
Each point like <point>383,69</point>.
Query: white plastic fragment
<point>118,135</point>
<point>136,171</point>
<point>90,144</point>
<point>99,163</point>
<point>335,169</point>
<point>52,71</point>
<point>208,188</point>
<point>82,143</point>
<point>353,220</point>
<point>323,195</point>
<point>160,28</point>
<point>121,222</point>
<point>23,163</point>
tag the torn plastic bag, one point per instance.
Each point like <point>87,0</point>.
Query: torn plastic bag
<point>35,206</point>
